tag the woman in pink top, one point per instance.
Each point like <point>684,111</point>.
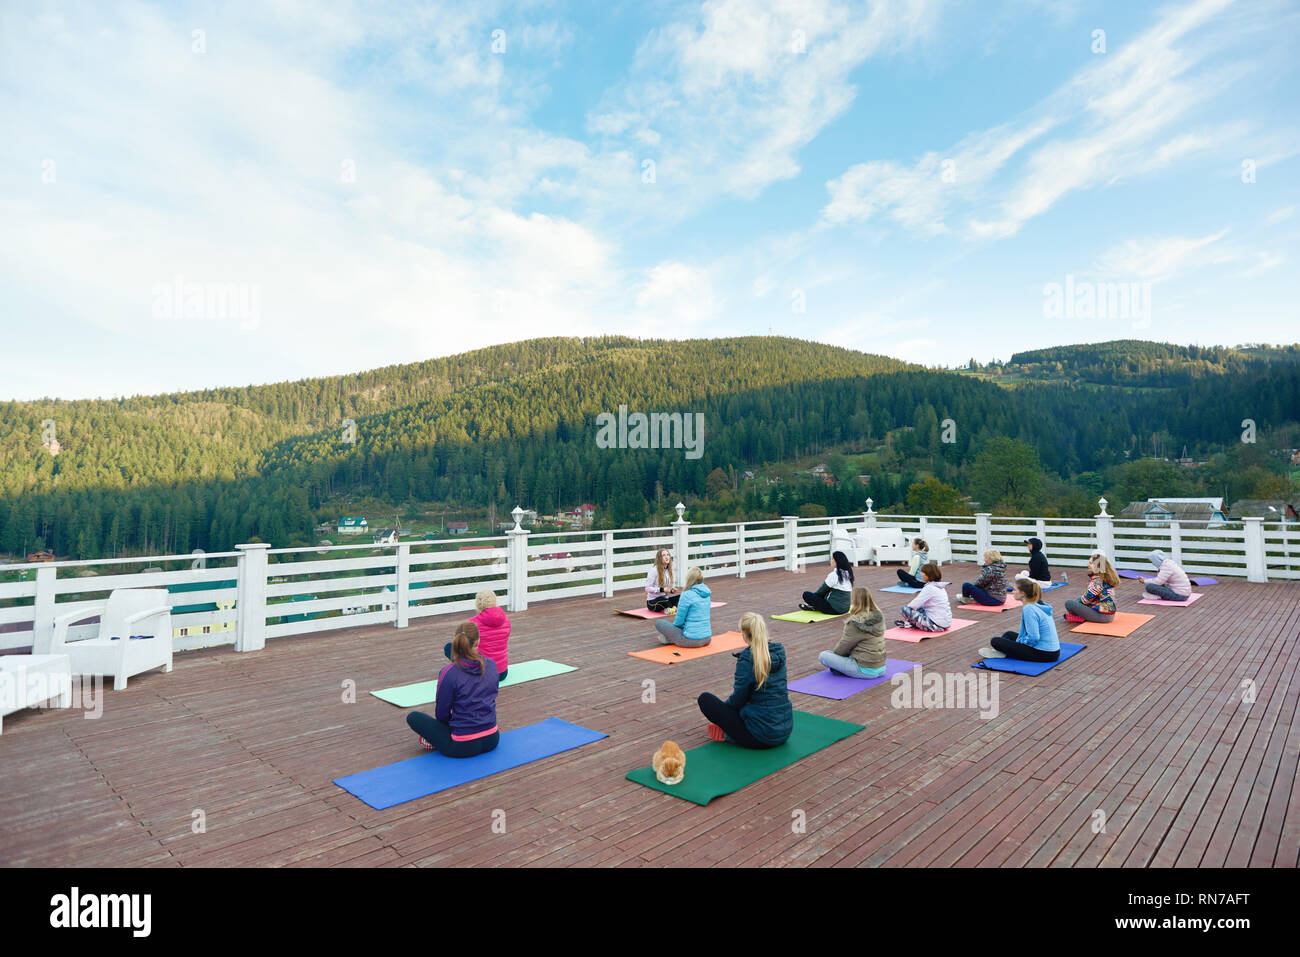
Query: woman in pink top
<point>493,631</point>
<point>1172,583</point>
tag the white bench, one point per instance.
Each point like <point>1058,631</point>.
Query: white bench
<point>28,681</point>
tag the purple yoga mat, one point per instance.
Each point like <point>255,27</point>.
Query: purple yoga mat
<point>1129,573</point>
<point>1203,581</point>
<point>828,684</point>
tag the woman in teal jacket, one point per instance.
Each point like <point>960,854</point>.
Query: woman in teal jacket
<point>1037,639</point>
<point>692,627</point>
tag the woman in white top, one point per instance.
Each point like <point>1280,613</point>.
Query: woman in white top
<point>836,593</point>
<point>660,592</point>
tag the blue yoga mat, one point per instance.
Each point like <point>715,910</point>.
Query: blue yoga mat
<point>433,772</point>
<point>1068,650</point>
<point>901,589</point>
<point>1048,588</point>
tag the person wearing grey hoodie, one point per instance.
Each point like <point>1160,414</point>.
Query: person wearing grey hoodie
<point>861,649</point>
<point>1171,583</point>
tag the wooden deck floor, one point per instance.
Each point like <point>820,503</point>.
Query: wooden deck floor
<point>1150,729</point>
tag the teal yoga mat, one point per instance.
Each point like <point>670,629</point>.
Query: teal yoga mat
<point>721,767</point>
<point>412,696</point>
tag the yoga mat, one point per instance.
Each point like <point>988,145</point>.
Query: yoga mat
<point>412,696</point>
<point>430,773</point>
<point>976,606</point>
<point>1152,600</point>
<point>829,684</point>
<point>1050,587</point>
<point>721,767</point>
<point>649,615</point>
<point>901,590</point>
<point>1016,666</point>
<point>671,654</point>
<point>916,634</point>
<point>806,616</point>
<point>1129,573</point>
<point>1124,624</point>
<point>1204,580</point>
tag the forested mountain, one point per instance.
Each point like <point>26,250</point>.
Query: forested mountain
<point>1137,363</point>
<point>516,424</point>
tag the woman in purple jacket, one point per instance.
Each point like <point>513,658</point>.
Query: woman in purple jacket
<point>464,721</point>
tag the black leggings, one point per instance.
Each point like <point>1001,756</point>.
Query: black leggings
<point>910,580</point>
<point>1007,644</point>
<point>446,650</point>
<point>662,603</point>
<point>819,601</point>
<point>729,720</point>
<point>438,734</point>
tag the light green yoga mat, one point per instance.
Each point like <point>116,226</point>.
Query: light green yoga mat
<point>802,615</point>
<point>721,767</point>
<point>412,696</point>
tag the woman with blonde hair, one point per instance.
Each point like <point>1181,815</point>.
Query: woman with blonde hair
<point>991,587</point>
<point>758,713</point>
<point>493,629</point>
<point>861,651</point>
<point>464,719</point>
<point>660,592</point>
<point>1098,601</point>
<point>692,627</point>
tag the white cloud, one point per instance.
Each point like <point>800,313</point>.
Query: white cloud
<point>1156,259</point>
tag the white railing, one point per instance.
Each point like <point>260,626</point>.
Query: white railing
<point>258,592</point>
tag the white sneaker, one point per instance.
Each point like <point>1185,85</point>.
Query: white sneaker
<point>663,639</point>
<point>991,653</point>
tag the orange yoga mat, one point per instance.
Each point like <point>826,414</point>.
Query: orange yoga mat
<point>671,654</point>
<point>976,606</point>
<point>1125,623</point>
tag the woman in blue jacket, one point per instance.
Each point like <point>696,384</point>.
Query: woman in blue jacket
<point>1037,639</point>
<point>464,721</point>
<point>692,627</point>
<point>758,713</point>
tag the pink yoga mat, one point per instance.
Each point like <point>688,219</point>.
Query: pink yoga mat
<point>1176,604</point>
<point>829,684</point>
<point>648,614</point>
<point>976,606</point>
<point>916,634</point>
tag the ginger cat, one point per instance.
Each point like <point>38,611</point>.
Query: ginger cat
<point>670,763</point>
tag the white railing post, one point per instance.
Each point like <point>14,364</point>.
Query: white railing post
<point>403,586</point>
<point>869,517</point>
<point>923,526</point>
<point>1256,566</point>
<point>1176,542</point>
<point>43,610</point>
<point>740,550</point>
<point>680,546</point>
<point>250,597</point>
<point>983,534</point>
<point>791,542</point>
<point>517,569</point>
<point>1041,532</point>
<point>607,560</point>
<point>1105,532</point>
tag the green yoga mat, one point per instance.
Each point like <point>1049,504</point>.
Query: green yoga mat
<point>721,767</point>
<point>806,616</point>
<point>412,696</point>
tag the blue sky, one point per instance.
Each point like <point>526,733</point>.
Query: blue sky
<point>382,183</point>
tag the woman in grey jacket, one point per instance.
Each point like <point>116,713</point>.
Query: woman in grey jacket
<point>861,651</point>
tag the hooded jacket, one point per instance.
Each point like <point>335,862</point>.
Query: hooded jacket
<point>766,711</point>
<point>493,635</point>
<point>467,699</point>
<point>1037,629</point>
<point>934,601</point>
<point>693,612</point>
<point>1038,568</point>
<point>1170,574</point>
<point>863,639</point>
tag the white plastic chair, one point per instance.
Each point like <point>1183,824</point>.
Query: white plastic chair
<point>128,611</point>
<point>940,544</point>
<point>889,545</point>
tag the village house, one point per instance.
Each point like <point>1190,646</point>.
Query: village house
<point>353,526</point>
<point>1203,512</point>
